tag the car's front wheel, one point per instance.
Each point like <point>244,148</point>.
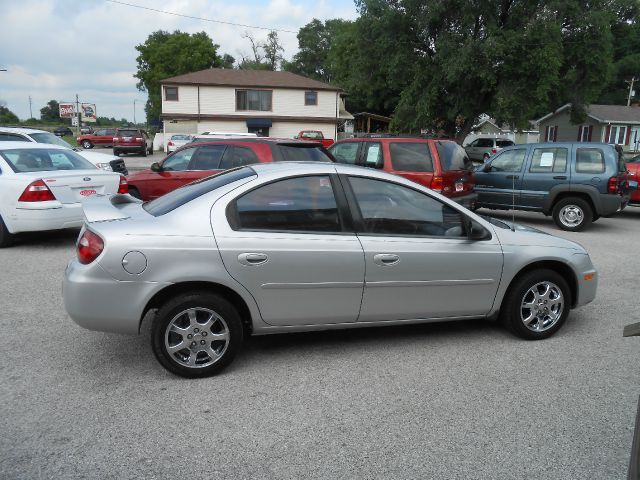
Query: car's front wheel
<point>86,144</point>
<point>6,237</point>
<point>196,334</point>
<point>536,304</point>
<point>572,214</point>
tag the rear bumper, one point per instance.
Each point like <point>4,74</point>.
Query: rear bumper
<point>610,204</point>
<point>129,148</point>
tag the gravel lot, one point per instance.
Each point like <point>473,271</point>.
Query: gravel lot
<point>459,400</point>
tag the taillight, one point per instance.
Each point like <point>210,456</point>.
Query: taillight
<point>138,139</point>
<point>612,186</point>
<point>170,144</point>
<point>436,184</point>
<point>115,139</point>
<point>37,192</point>
<point>494,150</point>
<point>90,246</point>
<point>124,186</point>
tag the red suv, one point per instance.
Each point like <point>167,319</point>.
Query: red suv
<point>132,140</point>
<point>198,160</point>
<point>441,165</point>
<point>102,137</point>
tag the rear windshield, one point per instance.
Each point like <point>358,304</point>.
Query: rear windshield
<point>452,156</point>
<point>180,137</point>
<point>44,160</point>
<point>302,153</point>
<point>504,143</point>
<point>46,137</point>
<point>182,195</point>
<point>128,133</point>
<point>317,135</point>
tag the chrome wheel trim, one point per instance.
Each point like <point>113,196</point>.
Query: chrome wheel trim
<point>542,306</point>
<point>571,216</point>
<point>86,144</point>
<point>196,338</point>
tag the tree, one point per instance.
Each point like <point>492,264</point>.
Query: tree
<point>227,61</point>
<point>273,50</point>
<point>51,112</point>
<point>264,55</point>
<point>7,117</point>
<point>164,55</point>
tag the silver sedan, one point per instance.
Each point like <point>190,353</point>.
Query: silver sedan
<point>290,247</point>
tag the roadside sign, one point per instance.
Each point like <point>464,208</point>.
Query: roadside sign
<point>74,121</point>
<point>88,111</point>
<point>67,110</point>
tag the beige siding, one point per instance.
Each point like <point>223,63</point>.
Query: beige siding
<point>187,101</point>
<point>567,132</point>
<point>234,126</point>
<point>290,129</point>
<point>181,126</point>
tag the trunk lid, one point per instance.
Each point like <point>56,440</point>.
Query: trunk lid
<point>77,186</point>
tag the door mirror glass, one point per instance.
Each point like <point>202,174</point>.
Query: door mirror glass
<point>155,167</point>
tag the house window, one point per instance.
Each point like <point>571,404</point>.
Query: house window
<point>311,98</point>
<point>171,94</point>
<point>617,134</point>
<point>259,100</point>
<point>584,133</point>
<point>552,133</point>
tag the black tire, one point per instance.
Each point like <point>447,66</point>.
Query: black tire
<point>86,144</point>
<point>116,152</point>
<point>144,151</point>
<point>212,356</point>
<point>134,192</point>
<point>151,150</point>
<point>542,324</point>
<point>6,237</point>
<point>572,214</point>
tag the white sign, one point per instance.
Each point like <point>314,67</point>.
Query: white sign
<point>74,121</point>
<point>373,153</point>
<point>546,160</point>
<point>88,112</point>
<point>67,110</point>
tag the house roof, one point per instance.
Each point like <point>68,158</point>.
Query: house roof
<point>604,113</point>
<point>249,78</point>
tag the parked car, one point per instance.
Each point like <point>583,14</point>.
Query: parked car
<point>132,140</point>
<point>483,147</point>
<point>176,141</point>
<point>576,183</point>
<point>197,160</point>
<point>104,161</point>
<point>62,131</point>
<point>86,129</point>
<point>102,137</point>
<point>42,187</point>
<point>315,136</point>
<point>633,167</point>
<point>441,165</point>
<point>208,136</point>
<point>272,248</point>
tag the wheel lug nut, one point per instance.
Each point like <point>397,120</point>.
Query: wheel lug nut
<point>201,342</point>
<point>195,330</point>
<point>204,334</point>
<point>193,344</point>
<point>189,336</point>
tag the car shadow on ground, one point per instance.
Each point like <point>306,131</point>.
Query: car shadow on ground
<point>542,221</point>
<point>55,238</point>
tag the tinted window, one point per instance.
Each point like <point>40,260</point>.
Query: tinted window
<point>179,161</point>
<point>253,100</point>
<point>44,160</point>
<point>509,161</point>
<point>504,143</point>
<point>548,160</point>
<point>345,152</point>
<point>185,194</point>
<point>304,204</point>
<point>12,137</point>
<point>452,156</point>
<point>110,131</point>
<point>391,209</point>
<point>46,137</point>
<point>240,156</point>
<point>302,153</point>
<point>100,133</point>
<point>485,142</point>
<point>128,133</point>
<point>310,98</point>
<point>411,157</point>
<point>589,160</point>
<point>207,157</point>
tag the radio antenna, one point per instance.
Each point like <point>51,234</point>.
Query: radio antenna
<point>513,203</point>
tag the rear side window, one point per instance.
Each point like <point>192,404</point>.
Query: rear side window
<point>303,204</point>
<point>302,153</point>
<point>176,198</point>
<point>12,137</point>
<point>207,157</point>
<point>373,155</point>
<point>504,143</point>
<point>452,156</point>
<point>345,152</point>
<point>238,157</point>
<point>589,160</point>
<point>484,142</point>
<point>411,157</point>
<point>549,160</point>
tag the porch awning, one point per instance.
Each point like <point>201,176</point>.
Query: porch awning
<point>259,122</point>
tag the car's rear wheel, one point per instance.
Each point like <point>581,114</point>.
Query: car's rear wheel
<point>144,151</point>
<point>86,144</point>
<point>572,214</point>
<point>6,237</point>
<point>134,192</point>
<point>536,304</point>
<point>485,157</point>
<point>196,334</point>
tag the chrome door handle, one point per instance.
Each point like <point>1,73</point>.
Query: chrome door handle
<point>386,259</point>
<point>252,258</point>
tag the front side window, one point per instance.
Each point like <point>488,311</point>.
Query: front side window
<point>171,94</point>
<point>179,161</point>
<point>259,100</point>
<point>589,160</point>
<point>44,160</point>
<point>391,209</point>
<point>549,160</point>
<point>237,156</point>
<point>345,152</point>
<point>617,135</point>
<point>411,157</point>
<point>301,204</point>
<point>311,98</point>
<point>509,161</point>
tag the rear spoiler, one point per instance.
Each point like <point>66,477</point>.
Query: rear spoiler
<point>106,208</point>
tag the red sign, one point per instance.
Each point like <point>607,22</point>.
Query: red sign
<point>86,193</point>
<point>67,110</point>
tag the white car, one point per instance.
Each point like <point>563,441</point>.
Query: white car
<point>42,187</point>
<point>108,162</point>
<point>178,140</point>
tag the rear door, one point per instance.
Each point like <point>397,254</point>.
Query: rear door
<point>546,168</point>
<point>498,181</point>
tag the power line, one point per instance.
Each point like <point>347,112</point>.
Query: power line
<point>200,18</point>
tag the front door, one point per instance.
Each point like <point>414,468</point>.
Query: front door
<point>547,168</point>
<point>419,264</point>
<point>260,131</point>
<point>284,242</point>
<point>498,182</point>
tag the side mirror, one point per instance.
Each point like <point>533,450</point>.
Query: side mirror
<point>474,230</point>
<point>486,167</point>
<point>155,167</point>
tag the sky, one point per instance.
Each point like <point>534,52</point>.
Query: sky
<point>55,49</point>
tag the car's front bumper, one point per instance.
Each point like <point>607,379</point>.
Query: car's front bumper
<point>587,279</point>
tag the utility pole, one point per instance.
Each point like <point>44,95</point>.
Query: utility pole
<point>630,82</point>
<point>134,112</point>
<point>78,113</point>
<point>30,110</point>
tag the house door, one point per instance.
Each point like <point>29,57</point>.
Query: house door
<point>260,131</point>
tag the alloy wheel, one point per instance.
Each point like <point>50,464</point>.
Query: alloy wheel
<point>542,306</point>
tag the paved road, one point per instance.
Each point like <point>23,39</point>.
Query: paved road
<point>464,400</point>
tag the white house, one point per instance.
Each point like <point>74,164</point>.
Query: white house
<point>275,104</point>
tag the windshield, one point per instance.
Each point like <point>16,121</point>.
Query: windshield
<point>44,160</point>
<point>46,137</point>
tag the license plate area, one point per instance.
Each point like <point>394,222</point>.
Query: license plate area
<point>459,186</point>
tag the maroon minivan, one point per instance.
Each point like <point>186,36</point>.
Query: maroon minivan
<point>132,140</point>
<point>102,137</point>
<point>441,165</point>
